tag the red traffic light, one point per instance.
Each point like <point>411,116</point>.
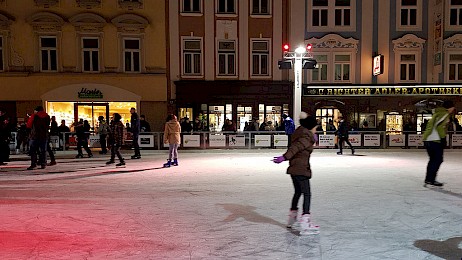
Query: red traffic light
<point>286,47</point>
<point>309,46</point>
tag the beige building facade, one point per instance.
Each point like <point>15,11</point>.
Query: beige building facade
<point>83,58</point>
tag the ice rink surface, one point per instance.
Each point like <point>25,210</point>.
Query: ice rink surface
<point>231,205</point>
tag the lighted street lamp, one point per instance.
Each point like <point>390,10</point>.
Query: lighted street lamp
<point>301,58</point>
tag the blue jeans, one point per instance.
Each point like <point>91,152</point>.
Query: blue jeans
<point>38,146</point>
<point>435,152</point>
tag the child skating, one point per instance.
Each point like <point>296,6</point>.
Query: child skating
<point>298,155</point>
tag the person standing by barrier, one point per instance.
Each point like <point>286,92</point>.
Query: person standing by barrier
<point>116,137</point>
<point>102,131</point>
<point>63,132</point>
<point>342,133</point>
<point>172,137</point>
<point>135,129</point>
<point>82,132</point>
<point>39,123</point>
<point>144,125</point>
<point>289,128</point>
<point>5,135</point>
<point>298,155</point>
<point>434,139</point>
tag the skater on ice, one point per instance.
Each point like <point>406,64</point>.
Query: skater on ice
<point>173,139</point>
<point>116,136</point>
<point>298,155</point>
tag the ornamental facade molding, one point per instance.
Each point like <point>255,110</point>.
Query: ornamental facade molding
<point>408,41</point>
<point>130,23</point>
<point>46,22</point>
<point>89,4</point>
<point>453,42</point>
<point>333,41</point>
<point>130,4</point>
<point>88,23</point>
<point>5,22</point>
<point>47,3</point>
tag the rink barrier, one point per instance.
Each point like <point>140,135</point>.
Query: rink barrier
<point>257,140</point>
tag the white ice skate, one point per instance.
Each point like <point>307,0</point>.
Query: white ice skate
<point>306,227</point>
<point>292,218</point>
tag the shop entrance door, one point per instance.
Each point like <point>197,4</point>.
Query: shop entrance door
<point>91,112</point>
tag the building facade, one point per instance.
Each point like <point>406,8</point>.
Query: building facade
<point>384,65</point>
<point>223,61</point>
<point>83,58</point>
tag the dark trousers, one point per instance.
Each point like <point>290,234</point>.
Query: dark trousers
<point>115,150</point>
<point>340,143</point>
<point>50,152</point>
<point>102,141</point>
<point>40,147</point>
<point>435,152</point>
<point>136,146</point>
<point>301,186</point>
<point>83,142</point>
<point>289,140</point>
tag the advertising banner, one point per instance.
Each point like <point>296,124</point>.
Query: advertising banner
<point>236,140</point>
<point>456,140</point>
<point>94,141</point>
<point>54,142</point>
<point>191,141</point>
<point>326,140</point>
<point>147,141</point>
<point>396,140</point>
<point>280,140</point>
<point>371,140</point>
<point>414,140</point>
<point>355,140</point>
<point>262,140</point>
<point>217,140</point>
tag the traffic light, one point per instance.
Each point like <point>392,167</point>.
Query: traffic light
<point>309,64</point>
<point>285,64</point>
<point>286,47</point>
<point>309,47</point>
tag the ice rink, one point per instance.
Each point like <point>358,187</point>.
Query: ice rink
<point>231,205</point>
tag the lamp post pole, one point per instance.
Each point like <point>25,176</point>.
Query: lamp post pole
<point>297,88</point>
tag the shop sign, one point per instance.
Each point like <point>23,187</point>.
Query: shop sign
<point>236,140</point>
<point>326,140</point>
<point>371,140</point>
<point>456,140</point>
<point>378,65</point>
<point>191,141</point>
<point>262,140</point>
<point>414,140</point>
<point>396,140</point>
<point>147,141</point>
<point>381,91</point>
<point>280,140</point>
<point>90,93</point>
<point>217,140</point>
<point>355,140</point>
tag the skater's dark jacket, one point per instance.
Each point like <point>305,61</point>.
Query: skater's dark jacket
<point>299,152</point>
<point>116,134</point>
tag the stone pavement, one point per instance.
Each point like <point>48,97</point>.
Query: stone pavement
<point>230,205</point>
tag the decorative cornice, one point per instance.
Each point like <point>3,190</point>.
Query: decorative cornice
<point>88,4</point>
<point>130,23</point>
<point>5,22</point>
<point>333,41</point>
<point>130,4</point>
<point>88,22</point>
<point>46,22</point>
<point>453,42</point>
<point>408,41</point>
<point>46,3</point>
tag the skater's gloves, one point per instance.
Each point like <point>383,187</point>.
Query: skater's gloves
<point>279,159</point>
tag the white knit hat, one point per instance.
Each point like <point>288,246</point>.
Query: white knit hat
<point>303,115</point>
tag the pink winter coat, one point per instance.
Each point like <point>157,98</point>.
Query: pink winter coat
<point>172,132</point>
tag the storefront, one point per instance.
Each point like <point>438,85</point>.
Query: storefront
<point>89,101</point>
<point>394,109</point>
<point>212,102</point>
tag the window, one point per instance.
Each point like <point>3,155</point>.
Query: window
<point>90,54</point>
<point>407,68</point>
<point>455,67</point>
<point>191,6</point>
<point>261,7</point>
<point>132,59</point>
<point>260,58</point>
<point>320,74</point>
<point>342,12</point>
<point>48,54</point>
<point>409,15</point>
<point>342,65</point>
<point>226,7</point>
<point>226,58</point>
<point>455,13</point>
<point>332,15</point>
<point>1,53</point>
<point>192,57</point>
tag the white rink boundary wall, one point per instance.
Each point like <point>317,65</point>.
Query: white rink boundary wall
<point>258,140</point>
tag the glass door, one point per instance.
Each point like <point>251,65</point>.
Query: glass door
<point>216,118</point>
<point>244,115</point>
<point>91,112</point>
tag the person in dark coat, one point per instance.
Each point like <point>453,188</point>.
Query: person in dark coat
<point>289,128</point>
<point>298,155</point>
<point>116,137</point>
<point>135,129</point>
<point>5,135</point>
<point>82,130</point>
<point>342,134</point>
<point>39,124</point>
<point>144,125</point>
<point>63,132</point>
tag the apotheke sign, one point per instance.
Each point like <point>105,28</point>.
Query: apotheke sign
<point>381,91</point>
<point>90,93</point>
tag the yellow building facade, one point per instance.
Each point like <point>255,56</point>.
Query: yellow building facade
<point>83,58</point>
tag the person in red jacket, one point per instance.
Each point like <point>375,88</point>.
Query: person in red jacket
<point>38,124</point>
